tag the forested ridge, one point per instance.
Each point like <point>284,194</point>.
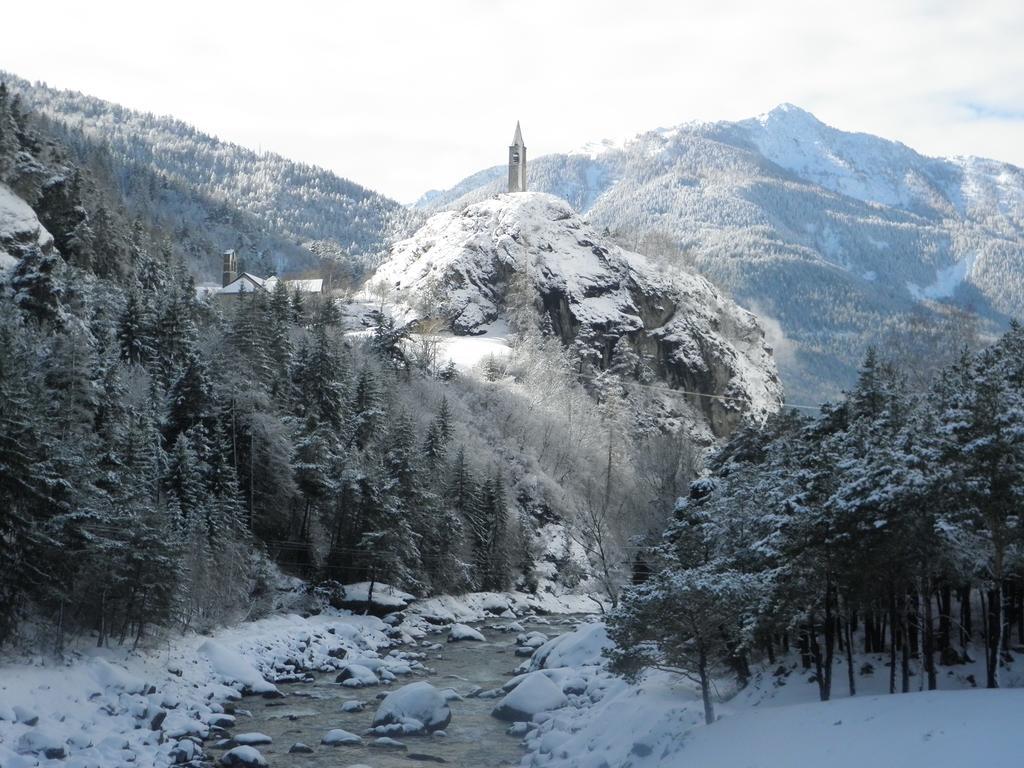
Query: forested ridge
<point>889,524</point>
<point>278,214</point>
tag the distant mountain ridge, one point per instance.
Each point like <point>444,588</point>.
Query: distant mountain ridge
<point>293,205</point>
<point>837,238</point>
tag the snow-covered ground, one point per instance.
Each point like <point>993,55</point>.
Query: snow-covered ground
<point>775,722</point>
<point>115,707</point>
<point>467,352</point>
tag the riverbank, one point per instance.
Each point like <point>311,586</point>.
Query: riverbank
<point>156,707</point>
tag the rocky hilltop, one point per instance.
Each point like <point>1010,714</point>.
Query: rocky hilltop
<point>608,303</point>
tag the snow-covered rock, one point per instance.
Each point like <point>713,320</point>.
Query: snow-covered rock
<point>232,667</point>
<point>458,267</point>
<point>20,714</point>
<point>534,694</point>
<point>116,678</point>
<point>253,739</point>
<point>357,676</point>
<point>583,647</point>
<point>418,704</point>
<point>243,757</point>
<point>20,229</point>
<point>383,600</point>
<point>337,737</point>
<point>42,742</point>
<point>463,632</point>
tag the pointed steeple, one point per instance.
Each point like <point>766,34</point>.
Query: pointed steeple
<point>517,162</point>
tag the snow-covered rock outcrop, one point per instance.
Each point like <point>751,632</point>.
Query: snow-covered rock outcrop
<point>459,266</point>
<point>20,229</point>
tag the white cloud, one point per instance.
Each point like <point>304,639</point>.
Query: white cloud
<point>407,95</point>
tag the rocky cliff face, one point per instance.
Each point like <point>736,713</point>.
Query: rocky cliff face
<point>613,306</point>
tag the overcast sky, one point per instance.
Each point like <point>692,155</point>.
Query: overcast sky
<point>407,96</point>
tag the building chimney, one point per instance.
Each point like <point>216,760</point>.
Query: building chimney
<point>230,267</point>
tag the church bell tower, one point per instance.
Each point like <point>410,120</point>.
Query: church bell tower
<point>517,163</point>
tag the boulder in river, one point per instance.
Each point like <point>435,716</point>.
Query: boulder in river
<point>357,676</point>
<point>252,739</point>
<point>535,693</point>
<point>463,632</point>
<point>243,757</point>
<point>337,737</point>
<point>418,704</point>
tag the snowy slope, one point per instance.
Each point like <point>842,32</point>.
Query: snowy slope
<point>459,265</point>
<point>938,729</point>
<point>835,237</point>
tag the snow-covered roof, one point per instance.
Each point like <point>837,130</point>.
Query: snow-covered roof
<point>244,282</point>
<point>315,285</point>
<point>250,282</point>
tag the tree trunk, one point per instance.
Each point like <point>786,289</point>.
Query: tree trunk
<point>892,640</point>
<point>819,670</point>
<point>993,635</point>
<point>966,623</point>
<point>805,648</point>
<point>905,650</point>
<point>705,687</point>
<point>914,624</point>
<point>945,598</point>
<point>102,634</point>
<point>928,641</point>
<point>850,672</point>
<point>830,637</point>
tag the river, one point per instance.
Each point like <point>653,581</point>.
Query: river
<point>474,739</point>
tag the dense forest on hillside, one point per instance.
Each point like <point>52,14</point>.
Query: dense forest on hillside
<point>891,522</point>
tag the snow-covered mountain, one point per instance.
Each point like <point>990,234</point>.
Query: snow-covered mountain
<point>610,304</point>
<point>836,239</point>
<point>268,207</point>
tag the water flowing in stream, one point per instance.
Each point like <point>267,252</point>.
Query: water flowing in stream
<point>474,739</point>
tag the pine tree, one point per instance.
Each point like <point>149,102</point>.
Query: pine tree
<point>489,526</point>
<point>38,286</point>
<point>190,398</point>
<point>133,329</point>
